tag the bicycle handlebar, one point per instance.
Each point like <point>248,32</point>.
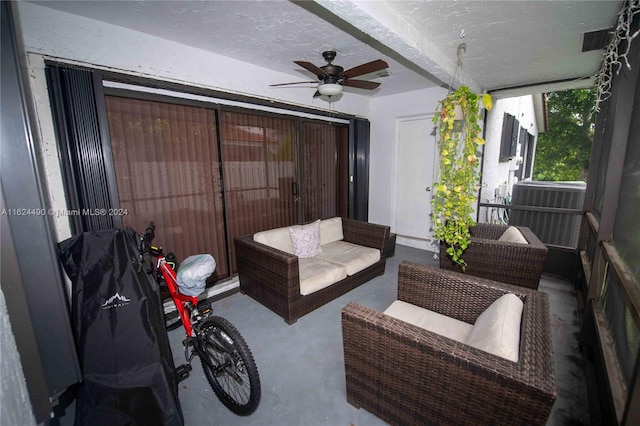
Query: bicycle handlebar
<point>145,250</point>
<point>149,233</point>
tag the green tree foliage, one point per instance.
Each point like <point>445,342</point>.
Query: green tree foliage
<point>563,151</point>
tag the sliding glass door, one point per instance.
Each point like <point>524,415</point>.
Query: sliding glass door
<point>259,172</point>
<point>206,175</point>
<point>324,172</point>
<point>167,170</point>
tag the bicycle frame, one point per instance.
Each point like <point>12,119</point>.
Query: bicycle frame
<point>226,359</point>
<point>179,300</point>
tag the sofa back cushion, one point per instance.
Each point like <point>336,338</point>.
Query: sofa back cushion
<point>331,230</point>
<point>497,329</point>
<point>513,235</point>
<point>277,238</point>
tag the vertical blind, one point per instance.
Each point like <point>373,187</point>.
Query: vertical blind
<point>323,147</point>
<point>89,185</point>
<point>168,170</point>
<point>260,172</point>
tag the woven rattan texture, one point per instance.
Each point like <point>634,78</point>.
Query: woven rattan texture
<point>512,263</point>
<point>271,276</point>
<point>409,376</point>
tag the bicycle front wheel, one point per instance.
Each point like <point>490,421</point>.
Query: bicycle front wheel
<point>229,365</point>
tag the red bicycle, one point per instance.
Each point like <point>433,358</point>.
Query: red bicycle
<point>226,359</point>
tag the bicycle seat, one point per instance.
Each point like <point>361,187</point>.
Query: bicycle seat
<point>193,273</point>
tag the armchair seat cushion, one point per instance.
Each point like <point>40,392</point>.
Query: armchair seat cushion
<point>430,320</point>
<point>316,274</point>
<point>353,257</point>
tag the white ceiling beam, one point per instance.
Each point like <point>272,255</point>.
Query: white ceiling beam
<point>385,25</point>
<point>553,86</point>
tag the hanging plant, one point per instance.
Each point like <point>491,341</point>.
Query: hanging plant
<point>457,186</point>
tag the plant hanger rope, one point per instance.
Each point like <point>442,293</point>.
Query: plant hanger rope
<point>462,48</point>
<point>455,192</point>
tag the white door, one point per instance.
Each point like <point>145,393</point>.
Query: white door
<point>415,163</point>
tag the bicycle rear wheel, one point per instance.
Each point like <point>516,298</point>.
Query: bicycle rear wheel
<point>229,365</point>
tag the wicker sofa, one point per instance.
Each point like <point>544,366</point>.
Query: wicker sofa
<point>272,276</point>
<point>508,262</point>
<point>407,375</point>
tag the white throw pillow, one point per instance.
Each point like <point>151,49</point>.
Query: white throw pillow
<point>513,235</point>
<point>306,239</point>
<point>497,329</point>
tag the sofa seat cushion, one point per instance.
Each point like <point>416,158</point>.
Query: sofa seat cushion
<point>278,238</point>
<point>429,320</point>
<point>354,257</point>
<point>316,274</point>
<point>497,329</point>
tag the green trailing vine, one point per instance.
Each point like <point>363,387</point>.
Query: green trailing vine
<point>455,192</point>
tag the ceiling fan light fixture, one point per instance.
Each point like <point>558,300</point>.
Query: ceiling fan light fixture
<point>330,89</point>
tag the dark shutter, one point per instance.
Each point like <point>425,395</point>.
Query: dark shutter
<point>30,275</point>
<point>523,143</point>
<point>509,142</point>
<point>77,102</point>
<point>359,133</point>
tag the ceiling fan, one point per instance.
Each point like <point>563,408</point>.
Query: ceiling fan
<point>333,77</point>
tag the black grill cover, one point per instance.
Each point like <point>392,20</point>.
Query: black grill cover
<point>128,372</point>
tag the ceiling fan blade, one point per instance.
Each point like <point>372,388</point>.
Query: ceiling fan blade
<point>312,68</point>
<point>367,68</point>
<point>361,84</point>
<point>315,95</point>
<point>296,82</point>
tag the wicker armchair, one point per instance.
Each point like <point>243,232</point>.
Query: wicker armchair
<point>512,263</point>
<point>407,375</point>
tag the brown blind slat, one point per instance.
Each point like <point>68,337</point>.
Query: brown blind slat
<point>167,170</point>
<point>259,168</point>
<point>324,179</point>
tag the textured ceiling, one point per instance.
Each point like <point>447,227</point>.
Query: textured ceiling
<point>509,43</point>
<point>512,43</point>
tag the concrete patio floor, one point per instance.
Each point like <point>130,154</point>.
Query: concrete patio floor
<point>301,365</point>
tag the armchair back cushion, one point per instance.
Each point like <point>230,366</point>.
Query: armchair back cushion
<point>497,329</point>
<point>513,235</point>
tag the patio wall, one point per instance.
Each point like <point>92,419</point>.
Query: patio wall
<point>50,34</point>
